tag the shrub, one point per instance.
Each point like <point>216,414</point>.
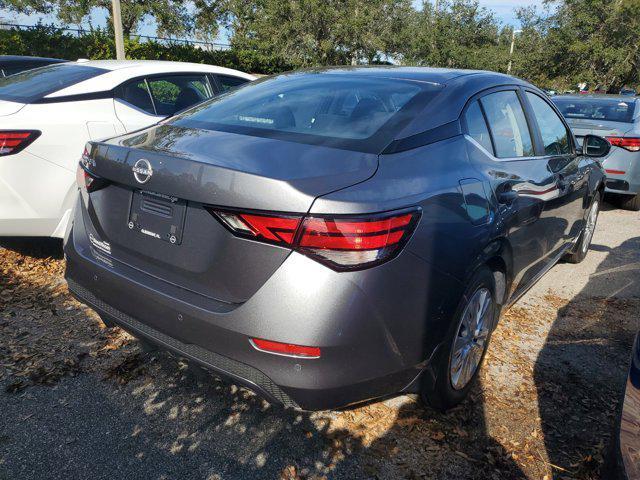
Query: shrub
<point>50,41</point>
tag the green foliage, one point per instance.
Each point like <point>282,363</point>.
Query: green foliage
<point>559,45</point>
<point>173,17</point>
<point>98,45</point>
<point>319,32</point>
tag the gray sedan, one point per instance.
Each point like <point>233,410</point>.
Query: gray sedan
<point>616,117</point>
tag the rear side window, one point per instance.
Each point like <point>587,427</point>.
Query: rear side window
<point>508,125</point>
<point>177,92</point>
<point>227,82</point>
<point>477,126</point>
<point>137,94</point>
<point>32,85</point>
<point>609,109</point>
<point>554,134</point>
<point>13,70</point>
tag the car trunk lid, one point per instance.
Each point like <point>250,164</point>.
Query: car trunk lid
<point>618,161</point>
<point>182,171</point>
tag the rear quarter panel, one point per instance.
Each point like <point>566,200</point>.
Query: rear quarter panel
<point>445,246</point>
<point>65,127</point>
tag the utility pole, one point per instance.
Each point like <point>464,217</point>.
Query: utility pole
<point>117,29</point>
<point>513,42</point>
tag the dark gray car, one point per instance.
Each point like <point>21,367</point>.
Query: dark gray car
<point>331,236</point>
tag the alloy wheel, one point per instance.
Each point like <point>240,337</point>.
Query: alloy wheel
<point>471,338</point>
<point>590,226</point>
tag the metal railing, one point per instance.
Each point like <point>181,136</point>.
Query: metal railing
<point>79,32</point>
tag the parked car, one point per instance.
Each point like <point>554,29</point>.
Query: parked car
<point>629,92</point>
<point>623,459</point>
<point>335,235</point>
<point>10,64</point>
<point>48,114</point>
<point>618,119</point>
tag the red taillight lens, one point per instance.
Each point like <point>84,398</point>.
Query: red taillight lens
<point>278,229</point>
<point>13,141</point>
<point>342,243</point>
<point>288,349</point>
<point>355,243</point>
<point>86,180</point>
<point>628,143</point>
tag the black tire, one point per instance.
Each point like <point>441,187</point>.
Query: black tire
<point>441,394</point>
<point>629,202</point>
<point>580,250</point>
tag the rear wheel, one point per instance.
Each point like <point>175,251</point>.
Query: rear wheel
<point>629,202</point>
<point>457,365</point>
<point>583,243</point>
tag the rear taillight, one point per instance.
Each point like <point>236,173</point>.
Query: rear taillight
<point>628,143</point>
<point>342,242</point>
<point>86,180</point>
<point>13,141</point>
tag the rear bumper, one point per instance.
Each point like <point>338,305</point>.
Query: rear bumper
<point>237,371</point>
<point>622,184</point>
<point>367,351</point>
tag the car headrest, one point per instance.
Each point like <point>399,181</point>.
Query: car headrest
<point>187,97</point>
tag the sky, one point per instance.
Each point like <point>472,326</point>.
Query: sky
<point>504,10</point>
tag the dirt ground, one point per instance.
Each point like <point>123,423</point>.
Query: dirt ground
<point>82,401</point>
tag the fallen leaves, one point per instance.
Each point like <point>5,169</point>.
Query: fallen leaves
<point>543,408</point>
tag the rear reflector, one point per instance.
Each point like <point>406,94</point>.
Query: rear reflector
<point>342,243</point>
<point>628,143</point>
<point>13,141</point>
<point>285,348</point>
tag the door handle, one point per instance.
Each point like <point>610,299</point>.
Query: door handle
<point>564,183</point>
<point>507,197</point>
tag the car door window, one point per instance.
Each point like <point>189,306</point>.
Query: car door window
<point>137,94</point>
<point>553,131</point>
<point>477,126</point>
<point>227,82</point>
<point>508,125</point>
<point>173,93</point>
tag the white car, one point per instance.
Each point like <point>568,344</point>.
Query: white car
<point>48,114</point>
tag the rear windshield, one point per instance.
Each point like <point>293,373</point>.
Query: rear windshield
<point>32,85</point>
<point>609,109</point>
<point>344,111</point>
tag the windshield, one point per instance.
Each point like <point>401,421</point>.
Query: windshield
<point>610,109</point>
<point>32,85</point>
<point>348,111</point>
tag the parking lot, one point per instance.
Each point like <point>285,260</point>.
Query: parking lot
<point>82,401</point>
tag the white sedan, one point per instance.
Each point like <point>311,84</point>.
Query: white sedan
<point>48,114</point>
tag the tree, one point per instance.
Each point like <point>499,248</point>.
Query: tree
<point>595,41</point>
<point>460,34</point>
<point>173,17</point>
<point>319,32</point>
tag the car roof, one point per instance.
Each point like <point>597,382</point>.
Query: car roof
<point>424,74</point>
<point>598,96</point>
<point>118,71</point>
<point>10,59</point>
<point>144,64</point>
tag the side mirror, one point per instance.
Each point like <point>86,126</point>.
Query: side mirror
<point>594,146</point>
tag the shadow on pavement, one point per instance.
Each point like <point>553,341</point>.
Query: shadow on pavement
<point>114,410</point>
<point>34,247</point>
<point>581,370</point>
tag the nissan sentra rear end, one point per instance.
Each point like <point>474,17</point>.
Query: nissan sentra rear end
<point>199,235</point>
